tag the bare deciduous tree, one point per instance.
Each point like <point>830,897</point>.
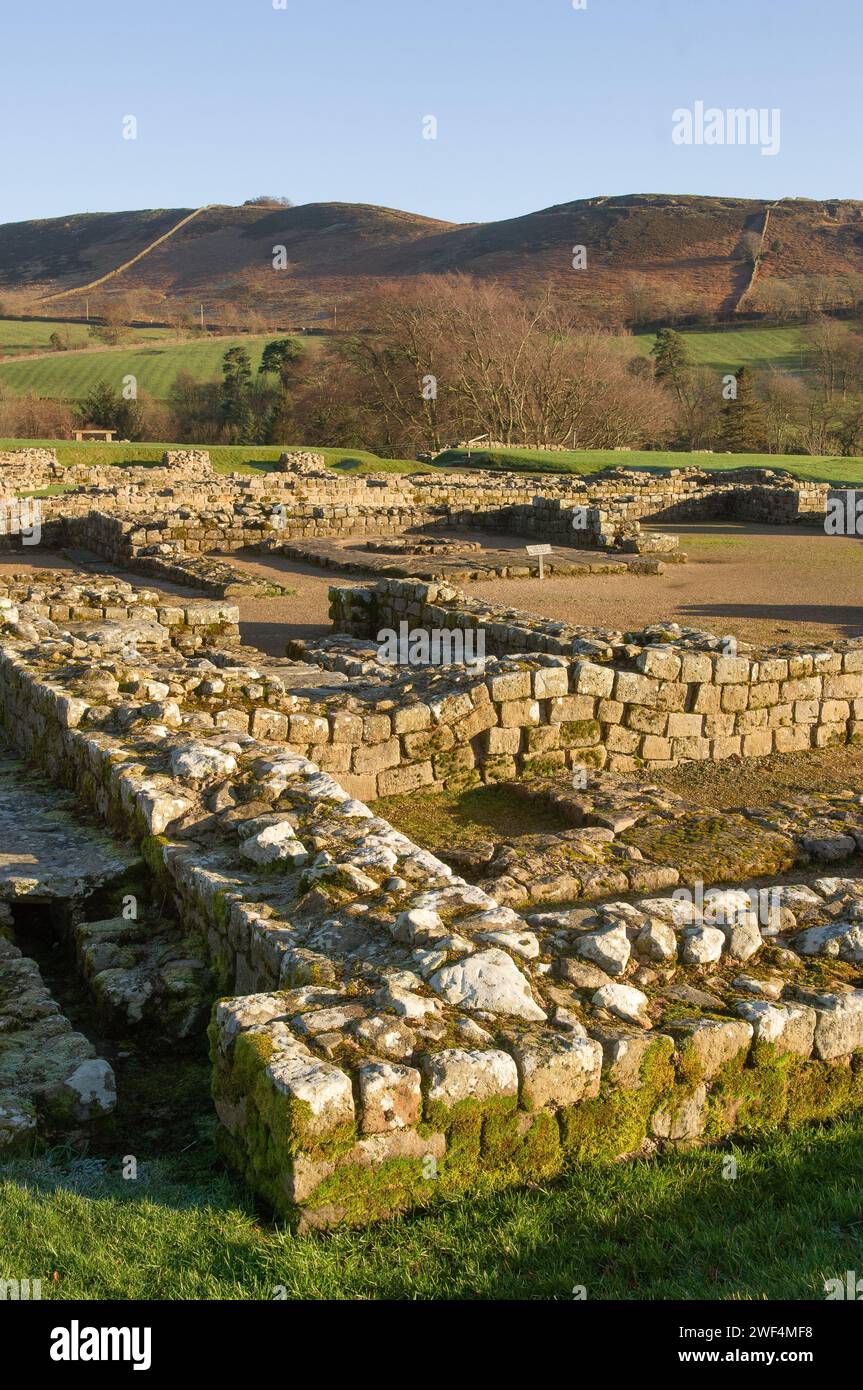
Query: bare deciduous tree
<point>453,358</point>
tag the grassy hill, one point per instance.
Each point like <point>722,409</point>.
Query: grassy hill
<point>696,247</point>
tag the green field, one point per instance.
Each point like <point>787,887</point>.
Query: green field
<point>17,336</point>
<point>667,1228</point>
<point>727,349</point>
<point>70,376</point>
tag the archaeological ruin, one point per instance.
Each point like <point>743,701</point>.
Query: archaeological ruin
<point>197,821</point>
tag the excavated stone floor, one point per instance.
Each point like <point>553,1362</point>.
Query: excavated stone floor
<point>46,854</point>
<point>469,556</point>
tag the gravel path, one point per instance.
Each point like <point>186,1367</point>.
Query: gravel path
<point>770,584</point>
<point>269,623</point>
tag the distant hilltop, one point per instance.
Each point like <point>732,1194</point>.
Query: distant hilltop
<point>630,259</point>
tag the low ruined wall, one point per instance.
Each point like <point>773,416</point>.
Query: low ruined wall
<point>302,463</point>
<point>616,703</point>
<point>36,591</point>
<point>41,723</point>
<point>407,1041</point>
<point>27,469</point>
<point>127,513</point>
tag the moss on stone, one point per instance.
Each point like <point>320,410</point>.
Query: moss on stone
<point>221,911</point>
<point>592,757</point>
<point>499,769</point>
<point>689,1067</point>
<point>530,1145</point>
<point>451,762</point>
<point>278,1125</point>
<point>435,743</point>
<point>151,849</point>
<point>359,1192</point>
<point>544,764</point>
<point>821,1090</point>
<point>463,781</point>
<point>462,1124</point>
<point>749,1096</point>
<point>490,1145</point>
<point>618,1120</point>
<point>714,848</point>
<point>574,732</point>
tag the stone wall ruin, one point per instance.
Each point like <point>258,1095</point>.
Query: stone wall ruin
<point>386,1030</point>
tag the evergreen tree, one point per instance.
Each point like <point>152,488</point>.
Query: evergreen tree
<point>107,409</point>
<point>236,404</point>
<point>672,361</point>
<point>279,356</point>
<point>743,423</point>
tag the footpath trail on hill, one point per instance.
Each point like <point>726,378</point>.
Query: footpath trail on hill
<point>133,260</point>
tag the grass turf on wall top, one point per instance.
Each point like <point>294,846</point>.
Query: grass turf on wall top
<point>227,458</point>
<point>254,458</point>
<point>813,468</point>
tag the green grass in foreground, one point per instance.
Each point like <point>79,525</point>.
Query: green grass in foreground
<point>660,1229</point>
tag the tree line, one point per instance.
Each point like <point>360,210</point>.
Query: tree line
<point>449,358</point>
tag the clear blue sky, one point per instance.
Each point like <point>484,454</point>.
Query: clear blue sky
<point>537,103</point>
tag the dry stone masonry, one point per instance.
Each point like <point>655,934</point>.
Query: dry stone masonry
<point>555,695</point>
<point>51,1081</point>
<point>390,1026</point>
<point>387,1032</point>
<point>165,519</point>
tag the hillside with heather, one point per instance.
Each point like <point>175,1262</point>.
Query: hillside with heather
<point>647,257</point>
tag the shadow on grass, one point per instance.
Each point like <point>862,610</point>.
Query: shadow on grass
<point>667,1228</point>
